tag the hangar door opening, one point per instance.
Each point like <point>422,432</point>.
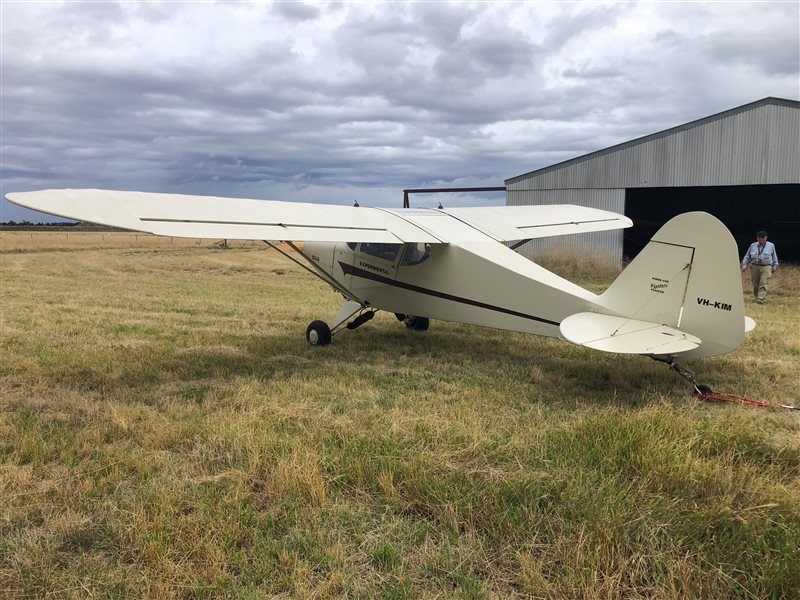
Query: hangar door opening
<point>744,209</point>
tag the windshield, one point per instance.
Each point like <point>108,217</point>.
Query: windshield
<point>416,253</point>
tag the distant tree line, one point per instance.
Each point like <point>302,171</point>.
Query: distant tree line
<point>56,226</point>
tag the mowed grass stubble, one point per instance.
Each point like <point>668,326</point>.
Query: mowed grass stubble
<point>165,431</point>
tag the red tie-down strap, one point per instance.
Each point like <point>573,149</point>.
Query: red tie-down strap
<point>709,395</point>
<point>706,393</point>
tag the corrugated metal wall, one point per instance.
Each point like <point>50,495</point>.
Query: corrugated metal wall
<point>603,248</point>
<point>784,146</point>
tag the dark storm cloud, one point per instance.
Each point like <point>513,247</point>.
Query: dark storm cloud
<point>772,53</point>
<point>576,21</point>
<point>328,101</point>
<point>296,11</point>
<point>591,72</point>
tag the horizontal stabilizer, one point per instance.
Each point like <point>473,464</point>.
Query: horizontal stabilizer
<point>625,336</point>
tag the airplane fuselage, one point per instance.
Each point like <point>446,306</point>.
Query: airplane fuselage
<point>480,283</point>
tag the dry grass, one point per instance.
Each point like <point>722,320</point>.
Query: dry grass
<point>165,432</point>
<point>16,241</point>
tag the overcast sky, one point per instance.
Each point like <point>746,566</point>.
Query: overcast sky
<point>333,101</point>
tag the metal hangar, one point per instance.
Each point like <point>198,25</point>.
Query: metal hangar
<point>741,165</point>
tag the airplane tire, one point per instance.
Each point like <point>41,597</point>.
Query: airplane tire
<point>417,323</point>
<point>318,333</point>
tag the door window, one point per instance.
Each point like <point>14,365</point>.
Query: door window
<point>382,251</point>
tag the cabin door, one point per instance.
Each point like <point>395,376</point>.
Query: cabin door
<point>374,269</point>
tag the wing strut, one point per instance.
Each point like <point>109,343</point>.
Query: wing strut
<point>316,271</point>
<point>520,243</point>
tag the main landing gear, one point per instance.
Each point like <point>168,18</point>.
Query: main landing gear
<point>319,333</point>
<point>414,323</point>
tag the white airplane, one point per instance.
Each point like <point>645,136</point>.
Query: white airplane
<point>681,297</point>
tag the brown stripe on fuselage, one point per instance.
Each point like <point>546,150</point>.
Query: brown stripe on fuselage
<point>364,274</point>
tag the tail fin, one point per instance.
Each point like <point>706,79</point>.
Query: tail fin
<point>687,278</point>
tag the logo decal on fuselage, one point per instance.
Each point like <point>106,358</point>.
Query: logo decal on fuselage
<point>658,285</point>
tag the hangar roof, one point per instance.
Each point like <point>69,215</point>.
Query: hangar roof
<point>632,144</point>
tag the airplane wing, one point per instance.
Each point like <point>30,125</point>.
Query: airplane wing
<point>223,218</point>
<point>508,223</point>
<point>238,218</point>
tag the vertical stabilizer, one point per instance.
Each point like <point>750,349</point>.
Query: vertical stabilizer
<point>686,278</point>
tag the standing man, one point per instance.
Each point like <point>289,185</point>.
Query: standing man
<point>763,261</point>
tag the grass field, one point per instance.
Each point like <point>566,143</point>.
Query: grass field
<point>165,432</point>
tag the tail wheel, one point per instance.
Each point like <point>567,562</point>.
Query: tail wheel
<point>318,333</point>
<point>702,390</point>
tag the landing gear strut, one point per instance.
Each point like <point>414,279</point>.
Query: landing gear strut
<point>699,388</point>
<point>361,319</point>
<point>319,333</point>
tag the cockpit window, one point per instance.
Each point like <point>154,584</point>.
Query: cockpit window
<point>382,251</point>
<point>416,253</point>
<point>352,246</point>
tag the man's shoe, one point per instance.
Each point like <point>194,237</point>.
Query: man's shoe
<point>759,302</point>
